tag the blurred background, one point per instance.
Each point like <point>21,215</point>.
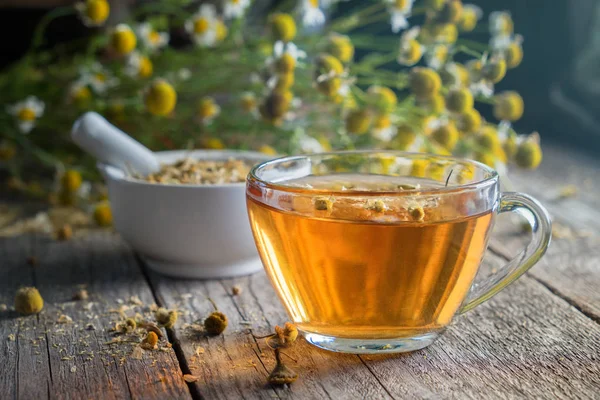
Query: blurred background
<point>559,78</point>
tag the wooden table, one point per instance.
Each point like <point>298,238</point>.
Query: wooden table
<point>539,338</point>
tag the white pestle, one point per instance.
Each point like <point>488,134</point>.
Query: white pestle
<point>110,145</point>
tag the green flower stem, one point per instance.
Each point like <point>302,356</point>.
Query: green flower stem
<point>40,30</point>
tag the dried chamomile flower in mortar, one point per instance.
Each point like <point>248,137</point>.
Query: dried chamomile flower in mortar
<point>205,172</point>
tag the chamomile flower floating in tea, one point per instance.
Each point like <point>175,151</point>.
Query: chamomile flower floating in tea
<point>151,38</point>
<point>26,112</point>
<point>203,26</point>
<point>93,12</point>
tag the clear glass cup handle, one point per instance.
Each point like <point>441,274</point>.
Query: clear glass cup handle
<point>541,229</point>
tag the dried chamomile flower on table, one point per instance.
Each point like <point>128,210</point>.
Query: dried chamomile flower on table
<point>28,301</point>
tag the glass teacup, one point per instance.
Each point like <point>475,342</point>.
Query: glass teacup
<point>376,251</point>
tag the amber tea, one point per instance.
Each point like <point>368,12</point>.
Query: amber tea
<point>370,262</point>
<point>378,269</point>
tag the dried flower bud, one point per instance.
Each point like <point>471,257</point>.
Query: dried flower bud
<point>81,294</point>
<point>64,233</point>
<point>216,323</point>
<point>235,290</point>
<point>130,324</point>
<point>417,213</point>
<point>281,374</point>
<point>376,205</point>
<point>166,318</point>
<point>323,204</point>
<point>150,341</point>
<point>28,301</point>
<point>290,332</point>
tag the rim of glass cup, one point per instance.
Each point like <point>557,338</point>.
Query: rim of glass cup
<point>490,179</point>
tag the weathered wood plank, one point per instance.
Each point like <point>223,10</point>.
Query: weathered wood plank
<point>525,342</point>
<point>69,360</point>
<point>571,267</point>
<point>235,365</point>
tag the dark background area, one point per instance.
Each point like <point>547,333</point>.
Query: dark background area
<point>555,32</point>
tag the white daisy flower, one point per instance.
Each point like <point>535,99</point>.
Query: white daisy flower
<point>184,74</point>
<point>410,49</point>
<point>151,38</point>
<point>312,15</point>
<point>26,112</point>
<point>93,12</point>
<point>98,78</point>
<point>310,145</point>
<point>502,42</point>
<point>399,10</point>
<point>138,65</point>
<point>436,56</point>
<point>288,50</point>
<point>203,26</point>
<point>385,132</point>
<point>235,8</point>
<point>501,23</point>
<point>482,88</point>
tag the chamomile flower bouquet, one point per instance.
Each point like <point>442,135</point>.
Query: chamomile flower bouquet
<point>182,74</point>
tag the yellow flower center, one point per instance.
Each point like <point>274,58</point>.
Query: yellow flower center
<point>469,121</point>
<point>382,122</point>
<point>425,82</point>
<point>103,214</point>
<point>383,98</point>
<point>97,10</point>
<point>145,68</point>
<point>358,122</point>
<point>446,136</point>
<point>161,98</point>
<point>513,55</point>
<point>207,109</point>
<point>221,31</point>
<point>341,47</point>
<point>495,70</point>
<point>468,20</point>
<point>201,25</point>
<point>314,3</point>
<point>26,114</point>
<point>82,94</point>
<point>509,106</point>
<point>401,4</point>
<point>283,27</point>
<point>268,150</point>
<point>100,77</point>
<point>459,100</point>
<point>213,143</point>
<point>286,63</point>
<point>154,37</point>
<point>410,53</point>
<point>123,40</point>
<point>248,102</point>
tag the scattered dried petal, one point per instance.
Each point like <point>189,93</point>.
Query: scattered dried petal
<point>64,319</point>
<point>190,378</point>
<point>137,353</point>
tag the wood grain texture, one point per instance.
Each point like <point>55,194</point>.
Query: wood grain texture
<point>524,343</point>
<point>571,267</point>
<point>53,360</point>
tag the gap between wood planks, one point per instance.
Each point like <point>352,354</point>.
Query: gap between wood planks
<point>171,335</point>
<point>499,252</point>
